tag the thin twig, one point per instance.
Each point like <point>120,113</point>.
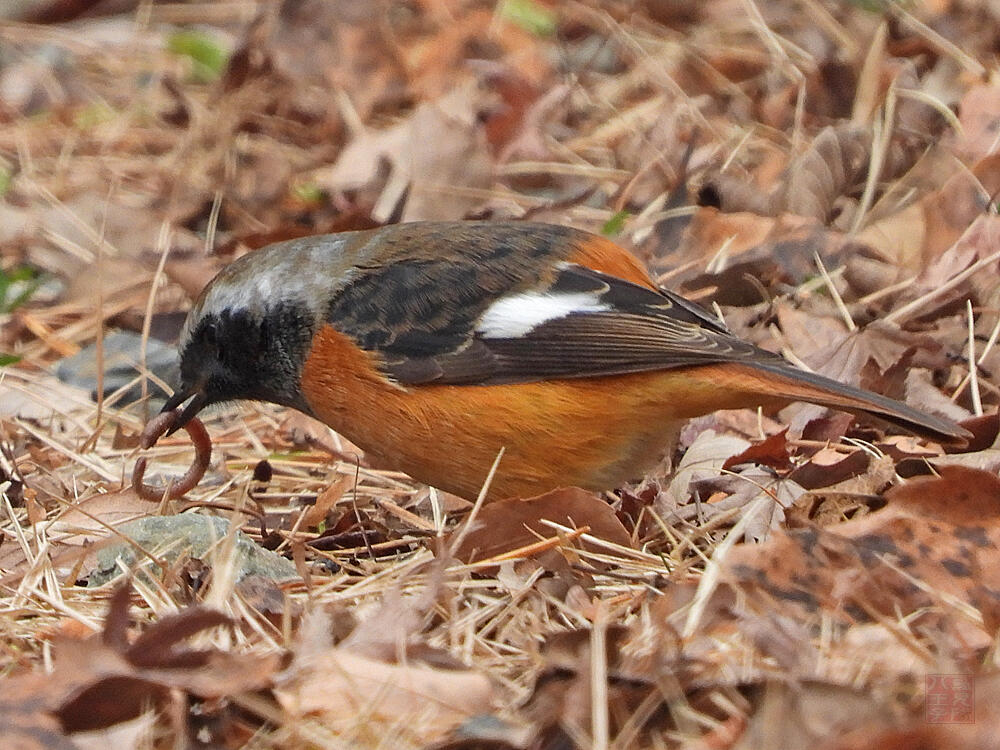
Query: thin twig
<point>921,302</point>
<point>977,401</point>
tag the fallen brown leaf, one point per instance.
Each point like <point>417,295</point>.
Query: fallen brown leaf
<point>372,676</point>
<point>511,524</point>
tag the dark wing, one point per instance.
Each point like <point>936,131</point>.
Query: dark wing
<point>438,323</point>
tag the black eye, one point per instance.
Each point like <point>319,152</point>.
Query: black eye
<point>210,335</point>
<point>213,342</point>
<point>264,334</point>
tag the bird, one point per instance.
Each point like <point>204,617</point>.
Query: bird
<point>432,346</point>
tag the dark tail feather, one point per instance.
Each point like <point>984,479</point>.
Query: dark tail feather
<point>807,386</point>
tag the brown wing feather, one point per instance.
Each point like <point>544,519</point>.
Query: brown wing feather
<point>640,330</point>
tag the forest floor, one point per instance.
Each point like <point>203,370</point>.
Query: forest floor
<point>824,175</point>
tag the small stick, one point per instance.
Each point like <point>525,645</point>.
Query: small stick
<point>153,431</point>
<point>977,401</point>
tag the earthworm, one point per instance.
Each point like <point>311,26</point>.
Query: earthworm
<point>153,431</point>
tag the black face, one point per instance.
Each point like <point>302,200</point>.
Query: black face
<point>235,355</point>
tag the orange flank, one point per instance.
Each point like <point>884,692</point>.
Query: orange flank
<point>609,429</point>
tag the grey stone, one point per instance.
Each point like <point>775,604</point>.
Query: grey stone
<point>121,360</point>
<point>192,535</point>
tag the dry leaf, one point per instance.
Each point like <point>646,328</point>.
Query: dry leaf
<point>509,525</point>
<point>704,459</point>
<point>979,114</point>
<point>345,688</point>
<point>371,676</point>
<point>440,149</point>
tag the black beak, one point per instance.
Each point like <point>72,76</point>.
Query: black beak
<point>195,398</point>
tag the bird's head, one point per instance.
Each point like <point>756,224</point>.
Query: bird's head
<point>248,334</point>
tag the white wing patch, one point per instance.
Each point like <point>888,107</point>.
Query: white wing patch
<point>514,316</point>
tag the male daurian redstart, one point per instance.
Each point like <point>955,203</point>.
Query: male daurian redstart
<point>433,345</point>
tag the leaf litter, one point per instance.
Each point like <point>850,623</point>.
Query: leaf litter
<point>826,174</point>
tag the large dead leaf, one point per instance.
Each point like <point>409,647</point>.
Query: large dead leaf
<point>437,151</point>
<point>511,525</point>
<point>833,166</point>
<point>373,677</point>
<point>342,688</point>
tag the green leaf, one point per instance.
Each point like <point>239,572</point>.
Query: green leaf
<point>8,359</point>
<point>530,16</point>
<point>615,225</point>
<point>208,56</point>
<point>308,192</point>
<point>17,286</point>
<point>880,6</point>
<point>93,115</point>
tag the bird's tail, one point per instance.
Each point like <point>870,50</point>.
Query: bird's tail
<point>785,381</point>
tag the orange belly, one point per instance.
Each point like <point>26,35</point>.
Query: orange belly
<point>595,433</point>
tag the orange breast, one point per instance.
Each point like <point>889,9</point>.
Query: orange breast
<point>595,433</point>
